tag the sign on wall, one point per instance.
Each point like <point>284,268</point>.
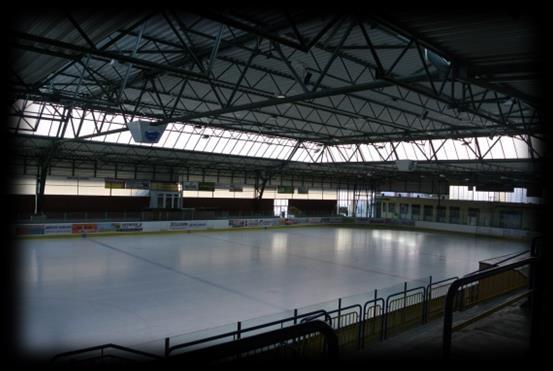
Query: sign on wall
<point>137,184</point>
<point>206,186</point>
<point>84,228</point>
<point>167,187</point>
<point>190,186</point>
<point>285,189</point>
<point>114,183</point>
<point>303,190</point>
<point>235,188</point>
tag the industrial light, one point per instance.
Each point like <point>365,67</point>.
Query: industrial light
<point>424,114</point>
<point>307,78</point>
<point>205,136</point>
<point>442,176</point>
<point>281,96</point>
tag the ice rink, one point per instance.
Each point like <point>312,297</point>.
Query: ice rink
<point>130,290</point>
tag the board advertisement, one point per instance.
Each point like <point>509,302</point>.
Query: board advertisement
<point>285,189</point>
<point>84,228</point>
<point>114,183</point>
<point>29,229</point>
<point>206,186</point>
<point>190,186</point>
<point>57,228</point>
<point>235,188</point>
<point>137,184</point>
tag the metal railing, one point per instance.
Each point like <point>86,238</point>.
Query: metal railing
<point>470,279</point>
<point>280,337</point>
<point>239,332</point>
<point>101,349</point>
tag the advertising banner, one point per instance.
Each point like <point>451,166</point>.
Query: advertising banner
<point>190,186</point>
<point>235,188</point>
<point>167,187</point>
<point>84,228</point>
<point>114,183</point>
<point>197,224</point>
<point>237,223</point>
<point>254,222</point>
<point>285,189</point>
<point>303,190</point>
<point>127,227</point>
<point>105,227</point>
<point>29,229</point>
<point>206,186</point>
<point>137,184</point>
<point>57,228</point>
<point>179,226</point>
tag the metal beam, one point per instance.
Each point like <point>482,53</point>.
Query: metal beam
<point>270,102</point>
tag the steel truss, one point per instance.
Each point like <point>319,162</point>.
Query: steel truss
<point>323,88</point>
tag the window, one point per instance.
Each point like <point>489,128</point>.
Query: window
<point>416,212</point>
<point>404,211</point>
<point>454,215</point>
<point>428,211</point>
<point>473,216</point>
<point>441,213</point>
<point>510,219</point>
<point>280,208</point>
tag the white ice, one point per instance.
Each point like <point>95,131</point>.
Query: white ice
<point>133,290</point>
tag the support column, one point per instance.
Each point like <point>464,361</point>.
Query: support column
<point>40,186</point>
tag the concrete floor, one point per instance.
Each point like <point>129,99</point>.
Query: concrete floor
<point>133,290</point>
<point>503,335</point>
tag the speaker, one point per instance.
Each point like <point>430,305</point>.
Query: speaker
<point>145,132</point>
<point>406,165</point>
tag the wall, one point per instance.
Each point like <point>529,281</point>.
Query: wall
<point>234,206</point>
<point>490,213</point>
<point>160,226</point>
<point>314,207</point>
<point>486,231</point>
<point>63,203</point>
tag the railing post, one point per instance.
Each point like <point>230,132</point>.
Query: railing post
<point>238,329</point>
<point>404,301</point>
<point>339,311</point>
<point>296,316</point>
<point>428,300</point>
<point>167,343</point>
<point>534,297</point>
<point>448,320</point>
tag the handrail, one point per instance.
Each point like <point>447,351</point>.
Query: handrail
<point>473,277</point>
<point>316,314</point>
<point>236,347</point>
<point>232,333</point>
<point>102,347</point>
<point>512,257</point>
